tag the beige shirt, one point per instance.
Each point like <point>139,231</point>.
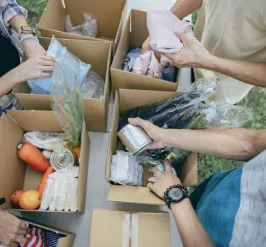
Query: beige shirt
<point>236,30</point>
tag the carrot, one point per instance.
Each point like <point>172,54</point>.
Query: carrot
<point>43,182</point>
<point>76,150</point>
<point>33,157</point>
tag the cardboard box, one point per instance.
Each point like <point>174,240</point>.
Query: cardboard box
<point>109,16</point>
<point>134,34</point>
<point>98,54</point>
<point>125,100</point>
<point>66,239</point>
<point>15,174</point>
<point>108,228</point>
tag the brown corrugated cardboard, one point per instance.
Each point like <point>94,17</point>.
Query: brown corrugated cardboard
<point>66,239</point>
<point>153,229</point>
<point>98,54</point>
<point>134,34</point>
<point>125,100</point>
<point>109,16</point>
<point>14,173</point>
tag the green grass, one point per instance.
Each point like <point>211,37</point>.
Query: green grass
<point>35,9</point>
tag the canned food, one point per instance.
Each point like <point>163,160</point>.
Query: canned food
<point>134,138</point>
<point>62,158</point>
<point>161,168</point>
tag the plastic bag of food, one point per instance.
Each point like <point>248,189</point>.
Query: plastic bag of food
<point>190,109</point>
<point>70,64</point>
<point>93,86</point>
<point>67,101</point>
<point>45,140</point>
<point>88,28</point>
<point>176,112</point>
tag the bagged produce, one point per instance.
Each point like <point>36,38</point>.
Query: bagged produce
<point>92,86</point>
<point>190,109</point>
<point>89,28</point>
<point>67,102</point>
<point>45,140</point>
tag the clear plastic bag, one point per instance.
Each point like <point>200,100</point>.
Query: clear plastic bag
<point>175,112</point>
<point>93,86</point>
<point>74,69</point>
<point>67,101</point>
<point>190,109</point>
<point>89,27</point>
<point>45,140</point>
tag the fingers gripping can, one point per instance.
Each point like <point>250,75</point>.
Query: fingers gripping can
<point>62,158</point>
<point>134,138</point>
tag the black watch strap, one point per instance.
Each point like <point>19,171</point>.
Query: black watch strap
<point>168,200</point>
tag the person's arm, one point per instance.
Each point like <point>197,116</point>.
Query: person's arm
<point>12,230</point>
<point>33,68</point>
<point>190,229</point>
<point>193,55</point>
<point>15,16</point>
<point>183,8</point>
<point>234,144</point>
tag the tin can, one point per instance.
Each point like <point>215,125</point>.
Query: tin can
<point>134,138</point>
<point>62,158</point>
<point>161,168</point>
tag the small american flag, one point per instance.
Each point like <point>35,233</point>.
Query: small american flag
<point>35,236</point>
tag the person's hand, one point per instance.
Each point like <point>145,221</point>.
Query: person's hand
<point>33,68</point>
<point>32,48</point>
<point>193,54</point>
<point>146,46</point>
<point>163,180</point>
<point>153,131</point>
<point>12,230</point>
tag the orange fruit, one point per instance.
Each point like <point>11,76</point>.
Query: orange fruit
<point>15,196</point>
<point>30,200</point>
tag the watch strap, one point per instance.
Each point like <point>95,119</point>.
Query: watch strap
<point>179,186</point>
<point>28,37</point>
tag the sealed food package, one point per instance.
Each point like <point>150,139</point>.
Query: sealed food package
<point>126,170</point>
<point>67,102</point>
<point>93,86</point>
<point>74,69</point>
<point>88,28</point>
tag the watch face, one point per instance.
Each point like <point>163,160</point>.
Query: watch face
<point>176,194</point>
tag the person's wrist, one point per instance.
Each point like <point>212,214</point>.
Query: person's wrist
<point>182,204</point>
<point>207,61</point>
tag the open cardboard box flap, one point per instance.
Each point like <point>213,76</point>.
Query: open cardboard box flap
<point>15,174</point>
<point>109,16</point>
<point>98,54</point>
<point>153,229</point>
<point>124,101</point>
<point>134,34</point>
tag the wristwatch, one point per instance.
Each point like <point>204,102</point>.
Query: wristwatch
<point>26,30</point>
<point>175,193</point>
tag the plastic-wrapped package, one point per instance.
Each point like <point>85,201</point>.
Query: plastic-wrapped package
<point>93,86</point>
<point>74,69</point>
<point>45,140</point>
<point>126,170</point>
<point>67,102</point>
<point>60,192</point>
<point>89,28</point>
